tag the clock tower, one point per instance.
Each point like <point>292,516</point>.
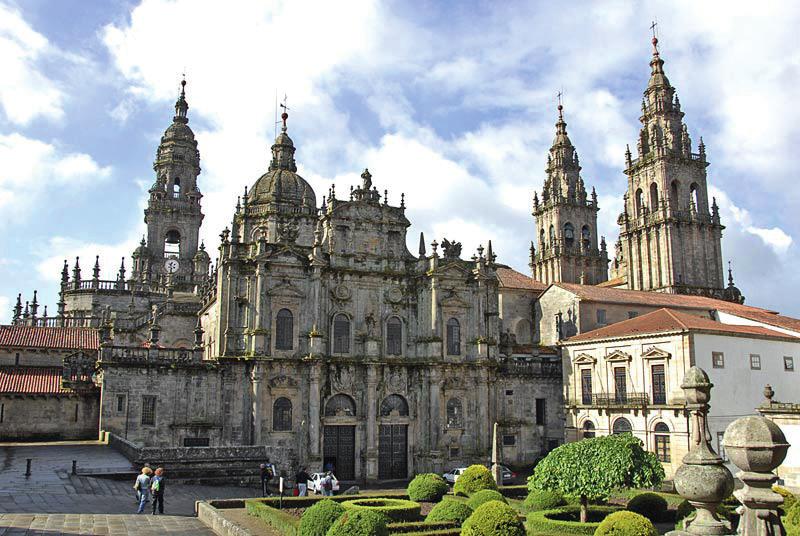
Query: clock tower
<point>173,215</point>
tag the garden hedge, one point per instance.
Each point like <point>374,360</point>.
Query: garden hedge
<point>474,478</point>
<point>484,496</point>
<point>317,520</point>
<point>626,524</point>
<point>515,491</point>
<point>566,520</point>
<point>427,487</point>
<point>543,500</point>
<point>789,498</point>
<point>650,505</point>
<point>305,502</point>
<point>792,521</point>
<point>449,510</point>
<point>493,518</point>
<point>420,526</point>
<point>396,510</point>
<point>360,522</point>
<point>282,522</point>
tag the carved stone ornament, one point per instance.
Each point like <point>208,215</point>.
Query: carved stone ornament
<point>584,359</point>
<point>283,381</point>
<point>395,379</point>
<point>454,382</point>
<point>342,292</point>
<point>287,231</point>
<point>618,355</point>
<point>342,379</point>
<point>452,250</point>
<point>394,295</point>
<point>655,353</point>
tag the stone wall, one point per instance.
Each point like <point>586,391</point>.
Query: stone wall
<point>33,357</point>
<point>49,417</point>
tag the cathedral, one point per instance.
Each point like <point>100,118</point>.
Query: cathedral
<point>319,336</point>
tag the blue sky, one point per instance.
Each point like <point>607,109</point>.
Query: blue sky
<point>451,103</point>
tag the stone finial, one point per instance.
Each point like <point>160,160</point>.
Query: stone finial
<point>702,478</point>
<point>768,393</point>
<point>421,245</point>
<point>757,446</point>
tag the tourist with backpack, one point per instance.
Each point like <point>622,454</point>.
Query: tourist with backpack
<point>327,485</point>
<point>157,489</point>
<point>267,474</point>
<point>302,479</point>
<point>142,487</point>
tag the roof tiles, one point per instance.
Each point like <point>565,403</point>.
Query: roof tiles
<point>31,380</point>
<point>49,337</point>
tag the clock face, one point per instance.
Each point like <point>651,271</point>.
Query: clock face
<point>172,265</point>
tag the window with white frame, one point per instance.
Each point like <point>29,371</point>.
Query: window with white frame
<point>788,363</point>
<point>718,359</point>
<point>755,361</point>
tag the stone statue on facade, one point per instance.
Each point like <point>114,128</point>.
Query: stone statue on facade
<point>452,250</point>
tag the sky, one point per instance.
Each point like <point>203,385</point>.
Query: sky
<point>451,103</point>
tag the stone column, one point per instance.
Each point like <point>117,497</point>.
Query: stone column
<point>484,427</point>
<point>435,408</point>
<point>314,412</point>
<point>372,423</point>
<point>257,376</point>
<point>258,326</point>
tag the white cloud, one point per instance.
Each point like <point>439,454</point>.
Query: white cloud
<point>25,93</point>
<point>5,309</point>
<point>58,248</point>
<point>774,237</point>
<point>32,168</point>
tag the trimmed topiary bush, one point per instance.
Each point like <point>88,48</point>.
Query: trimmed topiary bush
<point>543,500</point>
<point>475,478</point>
<point>789,499</point>
<point>792,521</point>
<point>650,505</point>
<point>626,524</point>
<point>395,510</point>
<point>566,520</point>
<point>359,522</point>
<point>485,495</point>
<point>449,510</point>
<point>493,518</point>
<point>318,519</point>
<point>427,487</point>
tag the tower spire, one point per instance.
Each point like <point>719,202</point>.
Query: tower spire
<point>181,106</point>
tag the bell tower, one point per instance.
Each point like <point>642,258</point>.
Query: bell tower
<point>566,221</point>
<point>173,215</point>
<point>670,240</point>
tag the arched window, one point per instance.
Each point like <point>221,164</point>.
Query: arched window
<point>394,336</point>
<point>284,330</point>
<point>661,431</point>
<point>586,236</point>
<point>542,243</point>
<point>523,331</point>
<point>453,337</point>
<point>694,190</point>
<point>394,403</point>
<point>341,334</point>
<point>588,429</point>
<point>455,413</point>
<point>654,196</point>
<point>340,405</point>
<point>622,426</point>
<point>569,235</point>
<point>673,193</point>
<point>172,244</point>
<point>639,201</point>
<point>176,188</point>
<point>282,415</point>
<point>552,236</point>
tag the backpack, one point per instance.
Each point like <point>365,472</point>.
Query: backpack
<point>327,484</point>
<point>269,472</point>
<point>156,484</point>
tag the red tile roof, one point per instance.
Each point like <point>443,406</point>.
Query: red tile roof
<point>767,317</point>
<point>31,380</point>
<point>666,321</point>
<point>656,299</point>
<point>510,278</point>
<point>621,280</point>
<point>51,338</point>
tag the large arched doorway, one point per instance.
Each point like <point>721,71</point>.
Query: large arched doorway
<point>339,437</point>
<point>393,438</point>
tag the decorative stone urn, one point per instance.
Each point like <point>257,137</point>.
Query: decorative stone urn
<point>757,446</point>
<point>702,479</point>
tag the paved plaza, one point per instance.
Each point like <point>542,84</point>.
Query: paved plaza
<point>79,504</point>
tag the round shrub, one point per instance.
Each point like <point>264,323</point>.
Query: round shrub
<point>485,495</point>
<point>359,522</point>
<point>650,505</point>
<point>789,499</point>
<point>318,519</point>
<point>427,487</point>
<point>449,510</point>
<point>566,520</point>
<point>793,519</point>
<point>626,524</point>
<point>396,510</point>
<point>475,478</point>
<point>543,500</point>
<point>493,518</point>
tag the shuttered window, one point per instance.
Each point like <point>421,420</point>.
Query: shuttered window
<point>284,327</point>
<point>394,336</point>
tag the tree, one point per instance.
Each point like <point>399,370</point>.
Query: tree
<point>593,468</point>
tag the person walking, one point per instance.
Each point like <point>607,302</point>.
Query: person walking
<point>327,485</point>
<point>157,489</point>
<point>142,487</point>
<point>267,473</point>
<point>302,482</point>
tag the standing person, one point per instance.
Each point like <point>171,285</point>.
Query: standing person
<point>267,473</point>
<point>327,485</point>
<point>157,488</point>
<point>142,487</point>
<point>302,482</point>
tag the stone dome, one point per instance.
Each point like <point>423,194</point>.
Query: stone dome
<point>283,186</point>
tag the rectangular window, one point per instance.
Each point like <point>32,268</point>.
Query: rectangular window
<point>509,392</point>
<point>509,440</point>
<point>2,412</point>
<point>633,314</point>
<point>394,336</point>
<point>541,413</point>
<point>718,359</point>
<point>788,363</point>
<point>120,403</point>
<point>195,442</point>
<point>16,359</point>
<point>601,316</point>
<point>454,452</point>
<point>148,410</point>
<point>755,361</point>
<point>341,334</point>
<point>453,337</point>
<point>620,386</point>
<point>586,386</point>
<point>659,384</point>
<point>662,448</point>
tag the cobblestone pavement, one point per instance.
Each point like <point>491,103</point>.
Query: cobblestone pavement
<point>52,489</point>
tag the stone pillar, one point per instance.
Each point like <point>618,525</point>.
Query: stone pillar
<point>497,473</point>
<point>484,427</point>
<point>314,412</point>
<point>258,328</point>
<point>257,376</point>
<point>757,446</point>
<point>435,408</point>
<point>372,423</point>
